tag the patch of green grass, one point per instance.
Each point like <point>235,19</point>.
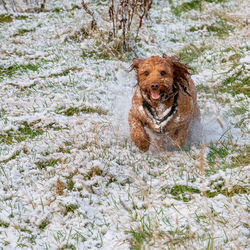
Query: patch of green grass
<point>13,69</point>
<point>236,189</point>
<point>83,109</point>
<point>30,66</point>
<point>186,6</point>
<point>79,36</point>
<point>220,28</point>
<point>2,112</point>
<point>57,10</point>
<point>218,157</point>
<point>31,239</point>
<point>47,163</point>
<point>68,246</point>
<point>94,171</point>
<point>200,218</point>
<point>64,72</point>
<point>12,157</point>
<point>191,5</point>
<point>44,224</point>
<point>21,32</point>
<point>76,7</point>
<point>238,83</point>
<point>139,236</point>
<point>25,131</point>
<point>218,187</point>
<point>6,18</point>
<point>70,208</point>
<point>5,243</point>
<point>53,126</point>
<point>24,229</point>
<point>70,184</point>
<point>180,235</point>
<point>95,54</point>
<point>216,1</point>
<point>203,88</point>
<point>216,152</point>
<point>190,53</point>
<point>180,192</point>
<point>64,149</point>
<point>174,40</point>
<point>4,224</point>
<point>243,157</point>
<point>235,57</point>
<point>239,110</point>
<point>79,237</point>
<point>101,3</point>
<point>22,245</point>
<point>21,17</point>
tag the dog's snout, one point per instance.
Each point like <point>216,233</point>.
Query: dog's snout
<point>154,86</point>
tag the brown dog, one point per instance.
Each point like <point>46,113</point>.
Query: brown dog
<point>164,101</point>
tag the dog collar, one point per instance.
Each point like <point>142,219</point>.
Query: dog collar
<point>160,122</point>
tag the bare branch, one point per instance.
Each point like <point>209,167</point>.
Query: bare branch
<point>91,13</point>
<point>43,4</point>
<point>4,5</point>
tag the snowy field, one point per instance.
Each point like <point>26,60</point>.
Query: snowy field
<point>70,177</point>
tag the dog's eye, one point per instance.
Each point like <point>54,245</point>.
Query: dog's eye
<point>146,73</point>
<point>163,73</point>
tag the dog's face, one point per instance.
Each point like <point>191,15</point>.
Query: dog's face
<point>156,76</point>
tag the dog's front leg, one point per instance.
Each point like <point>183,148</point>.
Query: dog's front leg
<point>138,133</point>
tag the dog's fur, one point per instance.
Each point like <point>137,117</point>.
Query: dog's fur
<point>164,101</point>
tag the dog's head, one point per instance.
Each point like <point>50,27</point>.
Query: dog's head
<point>159,77</point>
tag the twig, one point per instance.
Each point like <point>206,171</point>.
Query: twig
<point>4,5</point>
<point>111,16</point>
<point>43,4</point>
<point>91,13</point>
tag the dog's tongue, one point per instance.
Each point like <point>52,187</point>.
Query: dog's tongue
<point>155,94</point>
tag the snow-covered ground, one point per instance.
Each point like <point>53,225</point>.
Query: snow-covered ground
<point>70,177</point>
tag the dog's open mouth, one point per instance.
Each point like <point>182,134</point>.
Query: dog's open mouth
<point>155,94</point>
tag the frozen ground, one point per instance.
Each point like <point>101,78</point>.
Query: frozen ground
<point>70,178</point>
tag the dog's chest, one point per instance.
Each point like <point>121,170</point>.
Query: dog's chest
<point>159,117</point>
<point>161,110</point>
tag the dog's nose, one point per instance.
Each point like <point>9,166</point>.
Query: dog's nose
<point>154,86</point>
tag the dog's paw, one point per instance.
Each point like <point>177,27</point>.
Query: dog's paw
<point>143,145</point>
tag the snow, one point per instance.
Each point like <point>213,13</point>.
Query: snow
<point>108,187</point>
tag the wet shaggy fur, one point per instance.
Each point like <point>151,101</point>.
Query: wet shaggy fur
<point>164,101</point>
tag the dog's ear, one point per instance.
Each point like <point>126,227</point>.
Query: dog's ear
<point>135,64</point>
<point>180,70</point>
